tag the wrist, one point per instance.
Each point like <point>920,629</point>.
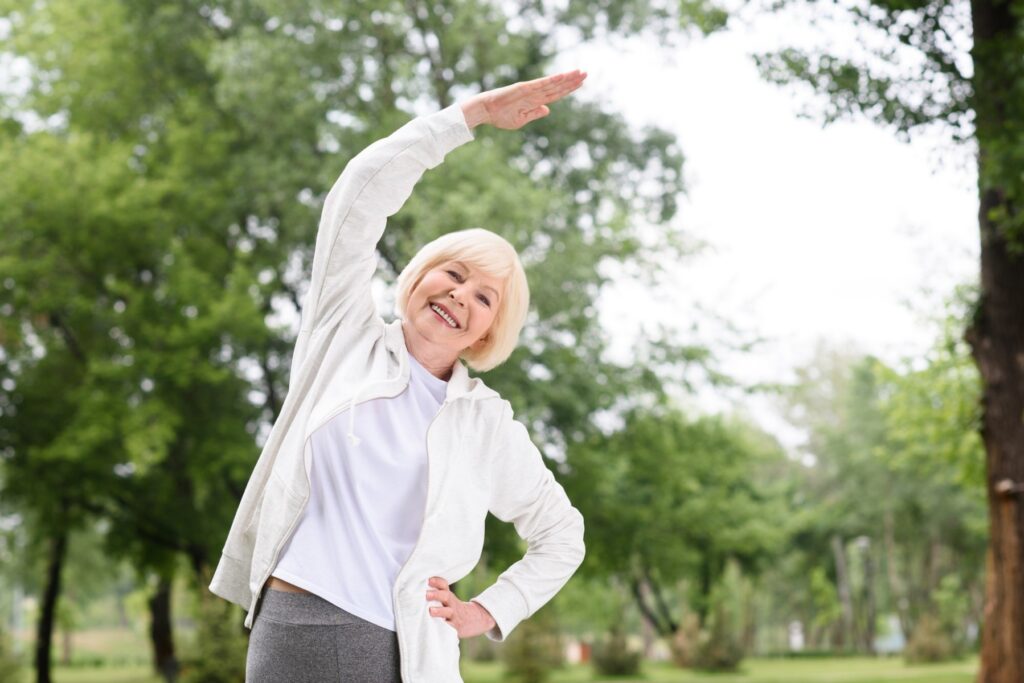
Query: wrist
<point>474,112</point>
<point>491,623</point>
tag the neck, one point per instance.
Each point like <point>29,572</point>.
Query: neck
<point>438,361</point>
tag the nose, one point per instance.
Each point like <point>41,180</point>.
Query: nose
<point>458,300</point>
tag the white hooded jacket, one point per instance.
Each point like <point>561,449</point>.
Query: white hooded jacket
<point>479,457</point>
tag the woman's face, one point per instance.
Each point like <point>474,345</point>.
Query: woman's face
<point>466,295</point>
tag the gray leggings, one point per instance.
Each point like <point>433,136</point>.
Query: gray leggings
<point>300,637</point>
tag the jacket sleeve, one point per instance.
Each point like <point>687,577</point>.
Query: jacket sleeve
<point>374,185</point>
<point>524,492</point>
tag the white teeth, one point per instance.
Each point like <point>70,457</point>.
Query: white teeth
<point>444,315</point>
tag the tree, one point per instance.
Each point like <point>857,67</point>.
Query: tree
<point>163,178</point>
<point>977,95</point>
<point>669,499</point>
<point>893,472</point>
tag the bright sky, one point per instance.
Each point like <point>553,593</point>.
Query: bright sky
<point>815,234</point>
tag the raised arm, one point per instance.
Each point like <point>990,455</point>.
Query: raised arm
<point>378,181</point>
<point>374,185</point>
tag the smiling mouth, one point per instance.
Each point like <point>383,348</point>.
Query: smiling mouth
<point>444,316</point>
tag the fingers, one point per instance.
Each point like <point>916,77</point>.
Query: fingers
<point>537,113</point>
<point>446,612</point>
<point>442,596</point>
<point>561,84</point>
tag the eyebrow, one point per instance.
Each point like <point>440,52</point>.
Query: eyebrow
<point>464,267</point>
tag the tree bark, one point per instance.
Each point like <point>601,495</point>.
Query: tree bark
<point>870,615</point>
<point>645,610</point>
<point>659,600</point>
<point>161,632</point>
<point>843,586</point>
<point>48,610</point>
<point>706,579</point>
<point>997,330</point>
<point>896,591</point>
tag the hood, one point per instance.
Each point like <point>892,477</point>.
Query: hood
<point>460,384</point>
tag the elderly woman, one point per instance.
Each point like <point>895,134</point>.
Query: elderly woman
<point>350,531</point>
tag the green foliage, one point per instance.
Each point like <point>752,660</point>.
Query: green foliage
<point>897,479</point>
<point>930,642</point>
<point>668,498</point>
<point>915,70</point>
<point>219,650</point>
<point>612,655</point>
<point>534,649</point>
<point>826,601</point>
<point>158,229</point>
<point>10,665</point>
<point>719,646</point>
<point>952,604</point>
<point>935,91</point>
<point>684,642</point>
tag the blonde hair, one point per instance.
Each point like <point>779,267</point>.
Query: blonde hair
<point>496,257</point>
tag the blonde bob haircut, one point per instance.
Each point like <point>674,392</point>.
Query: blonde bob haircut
<point>492,254</point>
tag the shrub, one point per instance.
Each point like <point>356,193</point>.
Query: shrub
<point>218,655</point>
<point>534,649</point>
<point>930,642</point>
<point>10,665</point>
<point>612,656</point>
<point>683,645</point>
<point>718,646</point>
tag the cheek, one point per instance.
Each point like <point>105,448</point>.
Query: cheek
<point>486,319</point>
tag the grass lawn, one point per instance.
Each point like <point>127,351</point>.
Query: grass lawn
<point>853,670</point>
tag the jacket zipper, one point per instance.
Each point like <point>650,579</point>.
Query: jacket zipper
<point>394,592</point>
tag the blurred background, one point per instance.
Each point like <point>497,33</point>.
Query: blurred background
<point>777,302</point>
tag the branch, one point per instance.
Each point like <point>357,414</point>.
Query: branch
<point>660,600</point>
<point>69,338</point>
<point>651,617</point>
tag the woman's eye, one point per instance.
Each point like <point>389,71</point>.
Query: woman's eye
<point>454,274</point>
<point>484,299</point>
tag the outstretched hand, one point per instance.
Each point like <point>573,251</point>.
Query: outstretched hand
<point>513,106</point>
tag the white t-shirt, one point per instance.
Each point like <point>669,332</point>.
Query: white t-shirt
<point>366,501</point>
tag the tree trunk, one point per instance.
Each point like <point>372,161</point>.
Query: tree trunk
<point>122,614</point>
<point>65,646</point>
<point>997,331</point>
<point>870,616</point>
<point>898,596</point>
<point>749,619</point>
<point>48,610</point>
<point>843,586</point>
<point>706,578</point>
<point>161,633</point>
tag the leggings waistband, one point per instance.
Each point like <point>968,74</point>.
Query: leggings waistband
<point>305,608</point>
